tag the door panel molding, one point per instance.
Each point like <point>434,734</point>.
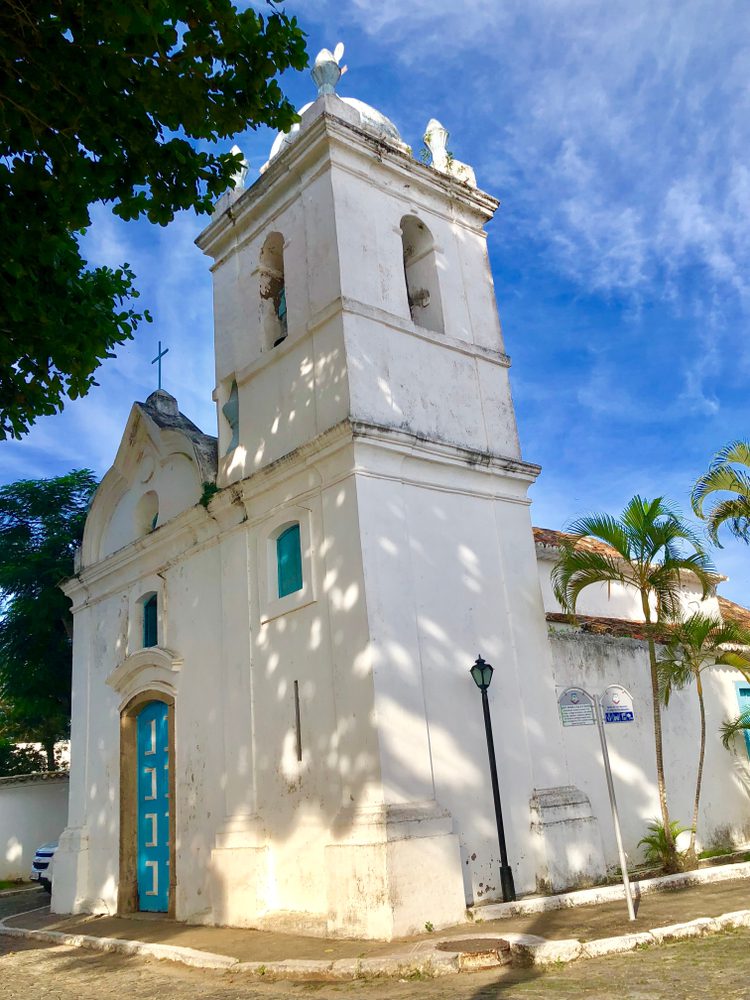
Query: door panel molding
<point>127,895</point>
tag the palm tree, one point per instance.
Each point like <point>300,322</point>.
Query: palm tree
<point>642,550</point>
<point>699,642</point>
<point>724,477</point>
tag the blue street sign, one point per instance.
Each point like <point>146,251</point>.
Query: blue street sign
<point>619,716</point>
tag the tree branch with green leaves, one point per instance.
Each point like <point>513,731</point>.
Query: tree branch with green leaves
<point>117,104</point>
<point>41,524</point>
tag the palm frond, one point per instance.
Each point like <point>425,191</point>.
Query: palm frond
<point>577,569</point>
<point>735,513</point>
<point>723,476</point>
<point>665,578</point>
<point>698,642</point>
<point>673,675</point>
<point>603,528</point>
<point>737,451</point>
<point>733,727</point>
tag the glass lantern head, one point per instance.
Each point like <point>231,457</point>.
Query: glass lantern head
<point>482,673</point>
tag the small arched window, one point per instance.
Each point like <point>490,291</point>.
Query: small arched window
<point>151,621</point>
<point>146,513</point>
<point>273,302</point>
<point>421,275</point>
<point>289,560</point>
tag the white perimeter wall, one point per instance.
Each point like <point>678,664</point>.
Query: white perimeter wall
<point>33,811</point>
<point>593,662</point>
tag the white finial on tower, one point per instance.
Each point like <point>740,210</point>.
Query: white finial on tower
<point>241,173</point>
<point>326,70</point>
<point>436,140</point>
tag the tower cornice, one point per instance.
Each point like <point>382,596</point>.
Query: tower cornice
<point>327,138</point>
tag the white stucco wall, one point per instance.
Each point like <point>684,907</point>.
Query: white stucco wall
<point>33,811</point>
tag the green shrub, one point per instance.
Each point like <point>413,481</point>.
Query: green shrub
<point>658,850</point>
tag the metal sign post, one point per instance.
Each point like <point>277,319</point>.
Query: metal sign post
<point>613,804</point>
<point>579,708</point>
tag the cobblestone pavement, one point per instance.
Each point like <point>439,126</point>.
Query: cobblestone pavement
<point>711,967</point>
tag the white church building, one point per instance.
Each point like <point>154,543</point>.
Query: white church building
<point>274,723</point>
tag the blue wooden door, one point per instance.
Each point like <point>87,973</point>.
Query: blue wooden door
<point>153,808</point>
<point>743,696</point>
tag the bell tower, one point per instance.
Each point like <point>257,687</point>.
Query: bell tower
<point>351,282</point>
<point>362,395</point>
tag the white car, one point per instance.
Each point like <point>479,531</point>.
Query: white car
<point>41,866</point>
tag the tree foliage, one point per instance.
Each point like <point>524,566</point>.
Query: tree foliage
<point>643,549</point>
<point>16,760</point>
<point>729,474</point>
<point>41,523</point>
<point>115,103</point>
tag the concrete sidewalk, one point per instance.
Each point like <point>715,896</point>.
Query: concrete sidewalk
<point>528,938</point>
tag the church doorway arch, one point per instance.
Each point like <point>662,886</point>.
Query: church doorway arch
<point>147,879</point>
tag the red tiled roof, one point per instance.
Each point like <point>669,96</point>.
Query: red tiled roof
<point>546,536</point>
<point>625,628</point>
<point>551,539</point>
<point>732,612</point>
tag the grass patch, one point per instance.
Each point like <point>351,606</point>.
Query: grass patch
<point>14,884</point>
<point>723,852</point>
<point>715,852</point>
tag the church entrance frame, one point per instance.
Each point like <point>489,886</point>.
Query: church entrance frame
<point>127,895</point>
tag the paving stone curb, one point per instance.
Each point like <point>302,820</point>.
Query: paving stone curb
<point>610,893</point>
<point>425,959</point>
<point>170,952</point>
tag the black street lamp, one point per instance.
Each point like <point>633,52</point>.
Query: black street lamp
<point>481,673</point>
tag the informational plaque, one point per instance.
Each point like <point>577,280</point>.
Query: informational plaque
<point>617,704</point>
<point>576,707</point>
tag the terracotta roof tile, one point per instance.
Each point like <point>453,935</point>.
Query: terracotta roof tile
<point>625,628</point>
<point>732,612</point>
<point>546,536</point>
<point>549,538</point>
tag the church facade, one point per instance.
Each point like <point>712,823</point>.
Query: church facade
<point>273,719</point>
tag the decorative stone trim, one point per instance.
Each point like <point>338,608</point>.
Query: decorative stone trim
<point>160,661</point>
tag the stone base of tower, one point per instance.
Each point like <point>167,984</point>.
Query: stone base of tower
<point>239,881</point>
<point>398,870</point>
<point>395,869</point>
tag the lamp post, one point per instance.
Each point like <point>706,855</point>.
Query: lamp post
<point>481,674</point>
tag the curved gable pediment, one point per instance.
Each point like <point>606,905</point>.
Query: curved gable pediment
<point>159,471</point>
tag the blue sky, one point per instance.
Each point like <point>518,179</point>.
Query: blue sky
<point>616,137</point>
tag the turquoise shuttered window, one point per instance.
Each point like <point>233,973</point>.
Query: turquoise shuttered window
<point>289,560</point>
<point>150,630</point>
<point>743,696</point>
